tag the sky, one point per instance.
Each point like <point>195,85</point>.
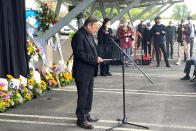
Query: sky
<point>191,4</point>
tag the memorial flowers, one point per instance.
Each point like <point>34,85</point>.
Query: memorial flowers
<point>45,17</point>
<point>32,51</point>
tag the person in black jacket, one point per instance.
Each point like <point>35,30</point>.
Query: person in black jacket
<point>147,39</point>
<point>183,32</point>
<point>105,46</point>
<point>158,32</point>
<point>140,29</point>
<point>85,62</point>
<point>170,38</point>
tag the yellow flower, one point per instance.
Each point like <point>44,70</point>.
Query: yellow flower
<point>54,66</point>
<point>44,83</point>
<point>30,50</point>
<point>70,76</point>
<point>70,61</point>
<point>52,78</point>
<point>1,88</point>
<point>66,75</point>
<point>54,82</point>
<point>50,75</point>
<point>19,79</point>
<point>10,77</point>
<point>17,94</point>
<point>30,82</point>
<point>39,85</point>
<point>9,100</point>
<point>27,96</point>
<point>31,44</point>
<point>31,73</point>
<point>2,104</point>
<point>47,77</point>
<point>62,79</point>
<point>61,75</point>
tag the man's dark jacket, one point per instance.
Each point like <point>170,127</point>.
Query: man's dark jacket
<point>186,32</point>
<point>147,36</point>
<point>85,55</point>
<point>171,32</point>
<point>158,28</point>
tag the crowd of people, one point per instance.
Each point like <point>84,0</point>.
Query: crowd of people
<point>151,39</point>
<point>157,39</point>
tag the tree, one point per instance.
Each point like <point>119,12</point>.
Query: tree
<point>181,11</point>
<point>133,12</point>
<point>194,16</point>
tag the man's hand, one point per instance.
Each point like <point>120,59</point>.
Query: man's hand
<point>99,60</point>
<point>148,42</point>
<point>157,33</point>
<point>182,29</point>
<point>163,32</point>
<point>106,32</point>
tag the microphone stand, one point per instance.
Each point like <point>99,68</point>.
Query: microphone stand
<point>124,120</point>
<point>125,54</point>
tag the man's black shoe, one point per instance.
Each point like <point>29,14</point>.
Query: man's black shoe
<point>194,79</point>
<point>168,66</point>
<point>185,78</point>
<point>92,119</point>
<point>109,74</point>
<point>85,125</point>
<point>158,65</point>
<point>103,75</point>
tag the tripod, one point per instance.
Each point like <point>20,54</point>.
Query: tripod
<point>124,120</point>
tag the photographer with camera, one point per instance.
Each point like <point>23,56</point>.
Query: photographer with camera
<point>125,35</point>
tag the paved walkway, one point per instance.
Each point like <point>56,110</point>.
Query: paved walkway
<point>167,105</point>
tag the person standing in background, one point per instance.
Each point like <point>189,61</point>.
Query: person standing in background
<point>170,38</point>
<point>147,39</point>
<point>105,46</point>
<point>140,30</point>
<point>183,32</point>
<point>124,34</point>
<point>192,36</point>
<point>158,32</point>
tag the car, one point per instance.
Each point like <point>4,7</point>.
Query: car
<point>65,30</point>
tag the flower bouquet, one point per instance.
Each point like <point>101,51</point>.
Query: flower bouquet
<point>48,77</point>
<point>45,17</point>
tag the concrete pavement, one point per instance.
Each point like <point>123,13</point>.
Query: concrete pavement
<point>168,105</point>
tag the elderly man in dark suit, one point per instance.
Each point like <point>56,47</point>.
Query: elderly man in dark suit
<point>84,66</point>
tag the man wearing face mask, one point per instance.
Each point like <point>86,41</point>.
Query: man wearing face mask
<point>183,32</point>
<point>140,29</point>
<point>192,35</point>
<point>170,38</point>
<point>158,32</point>
<point>147,39</point>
